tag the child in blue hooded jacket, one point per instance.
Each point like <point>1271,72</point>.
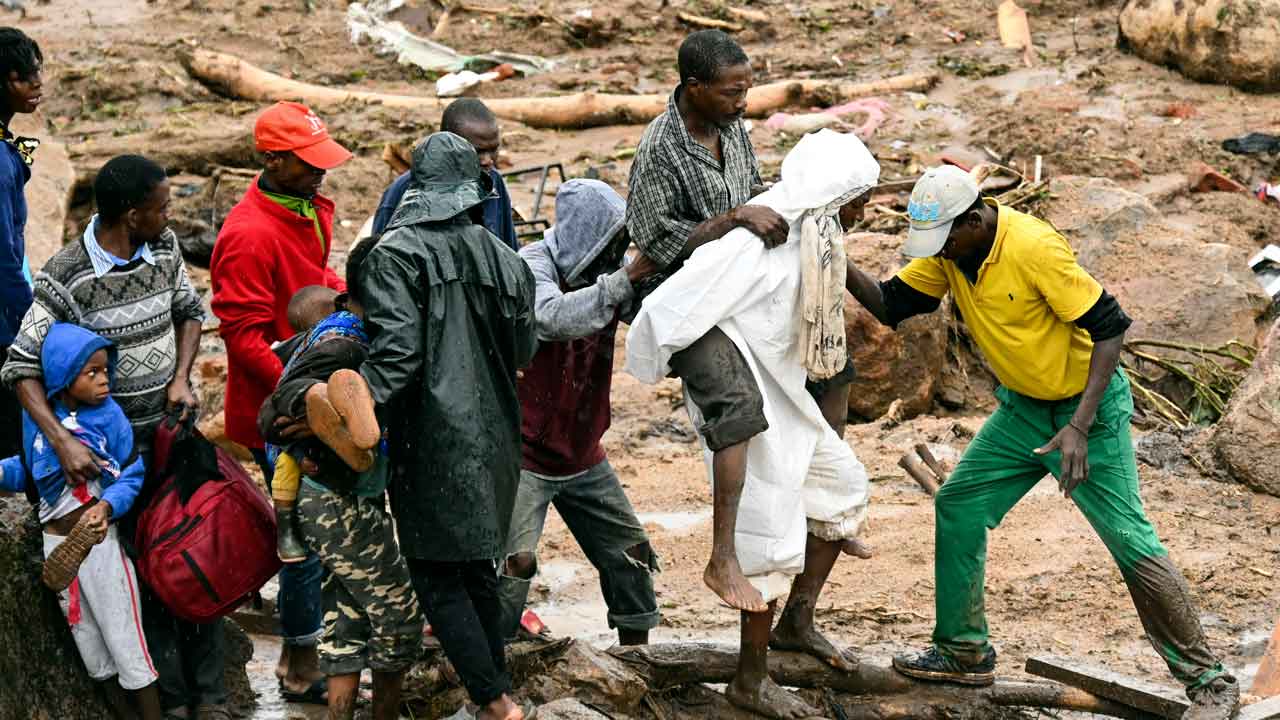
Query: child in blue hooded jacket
<point>97,589</point>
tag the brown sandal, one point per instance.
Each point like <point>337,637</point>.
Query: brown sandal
<point>349,395</point>
<point>327,424</point>
<point>63,563</point>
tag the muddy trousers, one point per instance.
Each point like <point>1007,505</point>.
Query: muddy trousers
<point>598,513</point>
<point>999,467</point>
<point>460,600</point>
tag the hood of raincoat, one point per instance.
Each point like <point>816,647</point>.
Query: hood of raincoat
<point>823,171</point>
<point>588,231</point>
<point>445,181</point>
<point>66,349</point>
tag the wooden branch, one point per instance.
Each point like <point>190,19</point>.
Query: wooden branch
<point>1155,699</point>
<point>754,16</point>
<point>231,76</point>
<point>671,665</point>
<point>917,472</point>
<point>707,22</point>
<point>922,449</point>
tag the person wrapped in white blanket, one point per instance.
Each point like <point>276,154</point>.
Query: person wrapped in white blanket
<point>806,493</point>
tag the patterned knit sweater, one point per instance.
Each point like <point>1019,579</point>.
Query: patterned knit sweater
<point>136,306</point>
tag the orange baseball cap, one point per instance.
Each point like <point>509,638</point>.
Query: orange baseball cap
<point>294,127</point>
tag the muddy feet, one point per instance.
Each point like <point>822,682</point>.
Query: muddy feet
<point>787,636</point>
<point>725,579</point>
<point>328,425</point>
<point>769,700</point>
<point>857,548</point>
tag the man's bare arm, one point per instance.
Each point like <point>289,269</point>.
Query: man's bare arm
<point>78,464</point>
<point>179,391</point>
<point>763,221</point>
<point>867,291</point>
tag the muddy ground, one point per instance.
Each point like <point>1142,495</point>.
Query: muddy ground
<point>114,84</point>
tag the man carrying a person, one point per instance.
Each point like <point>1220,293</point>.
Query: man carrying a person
<point>1052,336</point>
<point>449,311</point>
<point>275,242</point>
<point>582,288</point>
<point>805,494</point>
<point>125,280</point>
<point>694,171</point>
<point>474,122</point>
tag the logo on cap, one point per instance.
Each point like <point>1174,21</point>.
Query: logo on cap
<point>925,210</point>
<point>317,125</point>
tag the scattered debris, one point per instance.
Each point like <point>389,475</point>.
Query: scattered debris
<point>800,124</point>
<point>369,21</point>
<point>1015,31</point>
<point>1179,110</point>
<point>1203,178</point>
<point>706,22</point>
<point>454,84</point>
<point>1268,193</point>
<point>1266,266</point>
<point>954,36</point>
<point>915,463</point>
<point>1252,144</point>
<point>753,16</point>
<point>969,67</point>
<point>1208,375</point>
<point>1267,682</point>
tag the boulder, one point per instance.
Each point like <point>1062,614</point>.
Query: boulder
<point>48,198</point>
<point>1181,278</point>
<point>1247,438</point>
<point>1231,42</point>
<point>43,675</point>
<point>903,365</point>
<point>44,678</point>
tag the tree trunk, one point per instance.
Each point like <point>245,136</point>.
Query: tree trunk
<point>234,77</point>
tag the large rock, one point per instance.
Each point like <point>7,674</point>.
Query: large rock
<point>566,709</point>
<point>41,674</point>
<point>1176,277</point>
<point>1232,42</point>
<point>48,197</point>
<point>1247,438</point>
<point>903,365</point>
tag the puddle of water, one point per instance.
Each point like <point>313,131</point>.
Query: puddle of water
<point>555,575</point>
<point>262,677</point>
<point>675,520</point>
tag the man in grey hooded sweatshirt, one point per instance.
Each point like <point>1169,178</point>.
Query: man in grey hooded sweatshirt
<point>582,287</point>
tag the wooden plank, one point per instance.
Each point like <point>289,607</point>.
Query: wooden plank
<point>1159,700</point>
<point>1266,710</point>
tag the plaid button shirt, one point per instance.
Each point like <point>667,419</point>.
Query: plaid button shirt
<point>676,183</point>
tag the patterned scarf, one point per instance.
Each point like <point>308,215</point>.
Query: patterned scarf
<point>822,288</point>
<point>339,324</point>
<point>26,146</point>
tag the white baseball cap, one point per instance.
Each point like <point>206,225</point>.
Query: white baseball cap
<point>940,196</point>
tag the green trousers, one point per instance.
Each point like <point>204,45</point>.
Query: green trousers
<point>999,467</point>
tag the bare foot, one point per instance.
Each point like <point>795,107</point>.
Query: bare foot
<point>725,579</point>
<point>349,395</point>
<point>501,709</point>
<point>769,700</point>
<point>328,425</point>
<point>808,640</point>
<point>857,548</point>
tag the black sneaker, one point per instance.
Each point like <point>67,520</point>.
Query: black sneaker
<point>1216,701</point>
<point>934,666</point>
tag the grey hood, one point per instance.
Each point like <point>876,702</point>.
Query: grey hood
<point>445,181</point>
<point>589,221</point>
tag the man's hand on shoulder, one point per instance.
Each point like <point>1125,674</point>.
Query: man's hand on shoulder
<point>764,222</point>
<point>640,268</point>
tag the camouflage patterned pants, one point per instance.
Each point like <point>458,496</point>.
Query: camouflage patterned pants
<point>371,615</point>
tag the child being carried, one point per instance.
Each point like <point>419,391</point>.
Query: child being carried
<point>321,388</point>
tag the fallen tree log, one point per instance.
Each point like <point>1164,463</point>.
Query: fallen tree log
<point>233,77</point>
<point>671,665</point>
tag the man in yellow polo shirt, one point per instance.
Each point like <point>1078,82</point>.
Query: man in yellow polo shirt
<point>1053,337</point>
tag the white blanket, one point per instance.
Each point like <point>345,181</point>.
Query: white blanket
<point>801,476</point>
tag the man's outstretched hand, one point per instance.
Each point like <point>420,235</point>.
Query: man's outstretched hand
<point>764,222</point>
<point>1074,444</point>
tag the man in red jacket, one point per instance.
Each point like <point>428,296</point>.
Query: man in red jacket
<point>274,242</point>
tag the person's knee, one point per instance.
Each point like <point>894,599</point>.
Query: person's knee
<point>523,565</point>
<point>641,556</point>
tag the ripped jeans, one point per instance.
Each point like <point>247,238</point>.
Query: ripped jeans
<point>597,512</point>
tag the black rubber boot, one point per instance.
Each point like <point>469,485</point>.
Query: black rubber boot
<point>288,542</point>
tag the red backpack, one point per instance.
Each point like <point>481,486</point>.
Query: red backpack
<point>202,557</point>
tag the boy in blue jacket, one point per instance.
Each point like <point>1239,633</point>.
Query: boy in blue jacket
<point>96,584</point>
